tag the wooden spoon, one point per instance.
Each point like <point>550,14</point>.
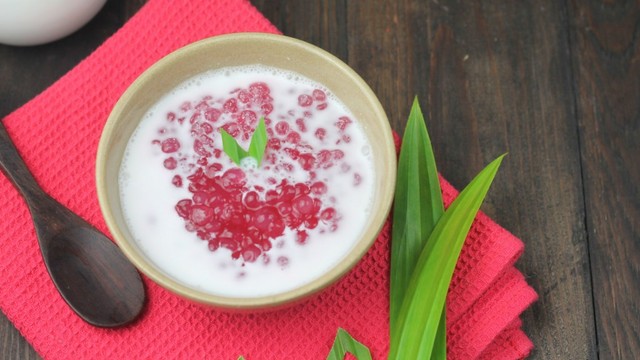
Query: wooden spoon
<point>90,272</point>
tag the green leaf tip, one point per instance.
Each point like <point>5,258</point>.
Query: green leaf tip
<point>258,141</point>
<point>231,147</point>
<point>345,343</point>
<point>257,146</point>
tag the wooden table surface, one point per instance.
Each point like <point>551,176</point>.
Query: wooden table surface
<point>554,83</point>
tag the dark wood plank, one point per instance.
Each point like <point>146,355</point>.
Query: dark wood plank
<point>30,70</point>
<point>495,77</point>
<point>322,23</point>
<point>12,344</point>
<point>606,58</point>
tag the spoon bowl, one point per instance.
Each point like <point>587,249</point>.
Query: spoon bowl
<point>88,269</point>
<point>80,260</point>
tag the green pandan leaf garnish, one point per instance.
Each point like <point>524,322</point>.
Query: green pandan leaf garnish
<point>257,145</point>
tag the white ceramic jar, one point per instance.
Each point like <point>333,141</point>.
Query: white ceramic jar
<point>34,22</point>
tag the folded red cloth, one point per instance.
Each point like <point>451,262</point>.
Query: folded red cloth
<point>57,134</point>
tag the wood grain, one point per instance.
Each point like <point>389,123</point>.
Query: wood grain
<point>12,344</point>
<point>322,23</point>
<point>606,60</point>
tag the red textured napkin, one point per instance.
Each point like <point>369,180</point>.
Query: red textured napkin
<point>57,134</point>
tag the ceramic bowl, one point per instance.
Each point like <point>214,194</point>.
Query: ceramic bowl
<point>235,50</point>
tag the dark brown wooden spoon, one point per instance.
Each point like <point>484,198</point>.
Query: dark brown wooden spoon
<point>90,272</point>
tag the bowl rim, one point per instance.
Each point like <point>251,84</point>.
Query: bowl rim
<point>164,280</point>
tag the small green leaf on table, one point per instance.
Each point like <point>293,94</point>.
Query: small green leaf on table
<point>345,343</point>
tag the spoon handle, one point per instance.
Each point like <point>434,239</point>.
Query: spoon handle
<point>48,215</point>
<point>16,170</point>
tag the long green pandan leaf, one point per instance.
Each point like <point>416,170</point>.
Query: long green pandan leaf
<point>417,206</point>
<point>421,311</point>
<point>344,344</point>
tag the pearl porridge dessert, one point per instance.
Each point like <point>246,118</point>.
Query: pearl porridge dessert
<point>254,229</point>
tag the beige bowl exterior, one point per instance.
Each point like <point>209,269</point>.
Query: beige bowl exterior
<point>234,50</point>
